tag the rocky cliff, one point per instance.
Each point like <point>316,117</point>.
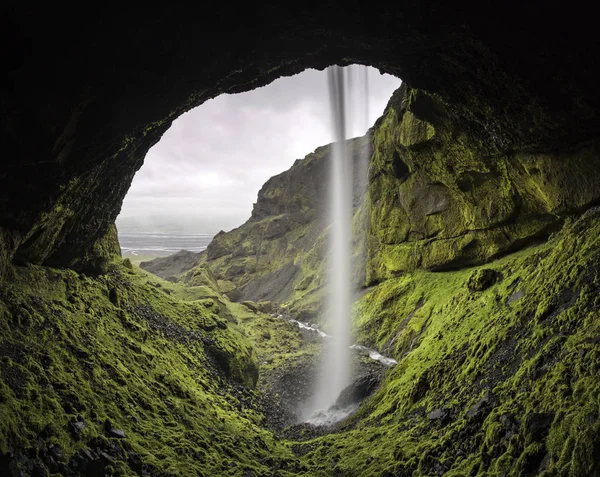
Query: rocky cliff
<point>278,255</point>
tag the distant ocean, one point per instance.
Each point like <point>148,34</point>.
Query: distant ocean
<point>161,244</point>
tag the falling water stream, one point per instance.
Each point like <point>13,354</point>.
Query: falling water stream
<point>348,104</point>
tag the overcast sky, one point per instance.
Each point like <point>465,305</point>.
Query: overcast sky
<point>206,171</point>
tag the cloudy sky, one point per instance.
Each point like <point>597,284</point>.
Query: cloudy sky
<point>204,174</point>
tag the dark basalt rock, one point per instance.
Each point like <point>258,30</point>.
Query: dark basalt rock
<point>438,414</point>
<point>537,425</point>
<point>113,296</point>
<point>135,462</point>
<point>77,428</point>
<point>515,296</point>
<point>86,462</point>
<point>91,461</point>
<point>481,407</point>
<point>362,387</point>
<point>250,305</point>
<point>116,433</point>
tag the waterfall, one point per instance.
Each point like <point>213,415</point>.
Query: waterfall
<point>349,114</point>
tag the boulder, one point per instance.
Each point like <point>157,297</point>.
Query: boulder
<point>482,279</point>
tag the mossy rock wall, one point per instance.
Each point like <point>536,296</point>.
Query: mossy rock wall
<point>438,200</point>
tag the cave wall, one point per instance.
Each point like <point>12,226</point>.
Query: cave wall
<point>439,200</point>
<point>84,97</point>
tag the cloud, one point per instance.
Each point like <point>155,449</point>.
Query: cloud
<point>209,166</point>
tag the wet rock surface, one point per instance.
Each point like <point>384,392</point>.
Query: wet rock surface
<point>292,389</point>
<point>365,381</point>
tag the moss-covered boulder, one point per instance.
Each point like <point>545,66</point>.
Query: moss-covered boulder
<point>481,279</point>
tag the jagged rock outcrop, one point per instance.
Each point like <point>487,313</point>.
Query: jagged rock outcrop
<point>278,254</point>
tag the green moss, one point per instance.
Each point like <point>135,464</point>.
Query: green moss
<point>414,131</point>
<point>527,340</point>
<point>436,201</point>
<point>160,369</point>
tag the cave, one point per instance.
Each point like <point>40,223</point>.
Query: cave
<point>85,98</point>
<point>497,122</point>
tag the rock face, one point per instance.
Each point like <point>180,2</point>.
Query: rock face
<point>166,267</point>
<point>74,140</point>
<point>278,254</point>
<point>439,199</point>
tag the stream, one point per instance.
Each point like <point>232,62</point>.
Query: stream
<point>333,414</point>
<point>371,353</point>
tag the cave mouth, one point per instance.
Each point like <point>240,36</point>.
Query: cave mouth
<point>83,107</point>
<point>203,175</point>
<point>74,141</point>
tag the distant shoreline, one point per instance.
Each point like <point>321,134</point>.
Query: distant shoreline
<point>144,246</point>
<point>137,259</point>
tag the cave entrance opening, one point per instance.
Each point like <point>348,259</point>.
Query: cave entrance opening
<point>203,175</point>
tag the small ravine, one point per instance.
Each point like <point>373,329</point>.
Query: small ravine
<point>343,406</point>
